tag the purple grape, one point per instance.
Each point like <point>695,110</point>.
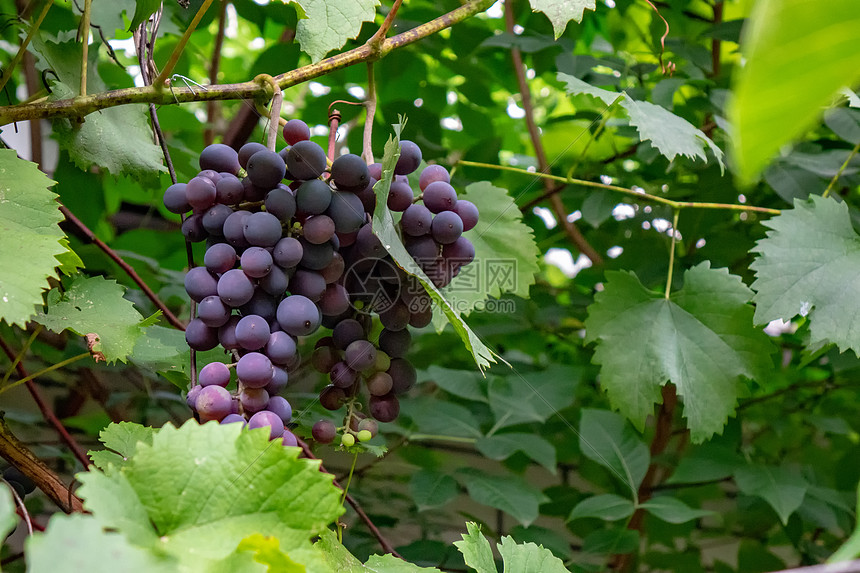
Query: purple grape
<point>422,249</point>
<point>229,190</point>
<point>349,172</point>
<point>402,375</point>
<point>235,288</point>
<point>342,375</point>
<point>214,374</point>
<point>298,315</point>
<point>281,347</point>
<point>288,252</point>
<point>260,304</point>
<point>295,130</point>
<point>227,334</point>
<point>306,160</point>
<point>213,403</point>
<point>416,220</point>
<point>233,419</point>
<point>200,193</point>
<point>375,170</point>
<point>410,158</point>
<point>280,378</point>
<point>334,300</point>
<point>360,355</point>
<point>266,169</point>
<point>440,196</point>
<point>318,229</point>
<point>213,312</point>
<point>281,407</point>
<point>433,173</point>
<point>395,343</point>
<point>256,262</point>
<point>384,408</point>
<point>210,174</point>
<point>368,244</point>
<point>379,384</point>
<point>281,203</point>
<point>324,358</point>
<point>334,270</point>
<point>461,252</point>
<point>332,397</point>
<point>214,218</point>
<point>253,399</point>
<point>275,283</point>
<point>265,418</point>
<point>324,432</point>
<point>347,332</point>
<point>249,149</point>
<point>191,397</point>
<point>219,157</point>
<point>193,229</point>
<point>220,258</point>
<point>395,317</point>
<point>468,213</point>
<point>200,283</point>
<point>234,229</point>
<point>262,229</point>
<point>252,332</point>
<point>176,200</point>
<point>307,283</point>
<point>368,196</point>
<point>421,318</point>
<point>400,195</point>
<point>254,370</point>
<point>252,192</point>
<point>347,212</point>
<point>447,227</point>
<point>290,439</point>
<point>316,257</point>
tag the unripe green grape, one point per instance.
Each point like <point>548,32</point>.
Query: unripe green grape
<point>364,435</point>
<point>383,362</point>
<point>348,440</point>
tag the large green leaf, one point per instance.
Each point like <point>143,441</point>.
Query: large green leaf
<point>432,489</point>
<point>120,441</point>
<point>673,510</point>
<point>29,233</point>
<point>605,438</point>
<point>808,257</point>
<point>505,251</point>
<point>670,134</point>
<point>510,493</point>
<point>608,506</point>
<point>476,550</point>
<point>330,23</point>
<point>701,339</point>
<point>534,396</point>
<point>798,56</point>
<point>466,384</point>
<point>118,139</point>
<point>383,227</point>
<point>95,306</point>
<point>341,560</point>
<point>502,446</point>
<point>197,491</point>
<point>528,558</point>
<point>560,12</point>
<point>434,416</point>
<point>782,488</point>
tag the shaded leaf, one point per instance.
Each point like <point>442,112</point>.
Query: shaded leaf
<point>560,12</point>
<point>466,384</point>
<point>502,446</point>
<point>534,396</point>
<point>433,416</point>
<point>608,507</point>
<point>431,489</point>
<point>673,510</point>
<point>780,487</point>
<point>510,493</point>
<point>604,437</point>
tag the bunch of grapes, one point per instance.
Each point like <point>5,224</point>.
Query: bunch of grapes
<point>290,248</point>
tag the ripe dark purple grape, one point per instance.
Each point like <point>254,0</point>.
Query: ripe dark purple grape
<point>275,283</point>
<point>416,220</point>
<point>281,203</point>
<point>247,150</point>
<point>260,304</point>
<point>316,257</point>
<point>385,408</point>
<point>395,316</point>
<point>200,193</point>
<point>334,300</point>
<point>347,332</point>
<point>265,418</point>
<point>342,375</point>
<point>252,332</point>
<point>324,432</point>
<point>307,283</point>
<point>256,262</point>
<point>281,347</point>
<point>176,200</point>
<point>421,318</point>
<point>213,403</point>
<point>332,397</point>
<point>213,219</point>
<point>235,288</point>
<point>288,252</point>
<point>461,252</point>
<point>313,197</point>
<point>395,343</point>
<point>334,270</point>
<point>360,355</point>
<point>219,157</point>
<point>306,160</point>
<point>422,249</point>
<point>468,213</point>
<point>279,380</point>
<point>349,172</point>
<point>214,374</point>
<point>227,334</point>
<point>233,419</point>
<point>433,173</point>
<point>262,229</point>
<point>213,312</point>
<point>234,229</point>
<point>440,196</point>
<point>402,374</point>
<point>298,315</point>
<point>200,283</point>
<point>199,336</point>
<point>324,358</point>
<point>295,130</point>
<point>379,384</point>
<point>193,229</point>
<point>347,212</point>
<point>400,195</point>
<point>229,190</point>
<point>318,229</point>
<point>266,169</point>
<point>279,406</point>
<point>253,399</point>
<point>253,192</point>
<point>447,227</point>
<point>410,158</point>
<point>254,370</point>
<point>369,244</point>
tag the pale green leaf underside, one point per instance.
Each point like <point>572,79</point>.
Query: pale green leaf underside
<point>30,234</point>
<point>502,446</point>
<point>605,438</point>
<point>803,266</point>
<point>780,487</point>
<point>330,23</point>
<point>533,396</point>
<point>798,56</point>
<point>432,489</point>
<point>673,510</point>
<point>560,12</point>
<point>608,507</point>
<point>670,134</point>
<point>701,339</point>
<point>95,305</point>
<point>510,493</point>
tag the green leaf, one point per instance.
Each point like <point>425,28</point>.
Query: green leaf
<point>528,558</point>
<point>29,231</point>
<point>383,227</point>
<point>608,507</point>
<point>604,437</point>
<point>804,263</point>
<point>534,396</point>
<point>143,9</point>
<point>701,339</point>
<point>466,384</point>
<point>792,47</point>
<point>505,251</point>
<point>476,550</point>
<point>118,139</point>
<point>8,518</point>
<point>670,134</point>
<point>851,548</point>
<point>390,564</point>
<point>434,416</point>
<point>673,510</point>
<point>328,24</point>
<point>197,491</point>
<point>341,560</point>
<point>706,463</point>
<point>267,550</point>
<point>560,12</point>
<point>780,487</point>
<point>95,306</point>
<point>502,446</point>
<point>432,489</point>
<point>512,494</point>
<point>853,98</point>
<point>73,543</point>
<point>120,441</point>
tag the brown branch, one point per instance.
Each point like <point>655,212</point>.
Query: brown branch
<point>83,105</point>
<point>47,413</point>
<point>569,227</point>
<point>383,542</point>
<point>171,318</point>
<point>212,108</point>
<point>20,456</point>
<point>715,42</point>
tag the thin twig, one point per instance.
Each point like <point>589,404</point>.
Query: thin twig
<point>150,294</point>
<point>21,354</point>
<point>672,254</point>
<point>275,111</point>
<point>85,38</point>
<point>43,371</point>
<point>177,51</point>
<point>841,169</point>
<point>212,107</point>
<point>380,34</point>
<point>370,106</point>
<point>7,73</point>
<point>570,228</point>
<point>47,413</point>
<point>20,506</point>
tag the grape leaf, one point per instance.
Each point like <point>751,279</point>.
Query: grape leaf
<point>780,487</point>
<point>85,546</point>
<point>701,339</point>
<point>383,227</point>
<point>804,263</point>
<point>29,231</point>
<point>670,134</point>
<point>95,305</point>
<point>118,139</point>
<point>604,437</point>
<point>791,47</point>
<point>433,416</point>
<point>466,384</point>
<point>673,510</point>
<point>120,441</point>
<point>502,446</point>
<point>505,251</point>
<point>328,24</point>
<point>432,489</point>
<point>512,494</point>
<point>608,507</point>
<point>143,9</point>
<point>341,560</point>
<point>528,558</point>
<point>8,519</point>
<point>197,491</point>
<point>853,98</point>
<point>476,550</point>
<point>560,12</point>
<point>534,396</point>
